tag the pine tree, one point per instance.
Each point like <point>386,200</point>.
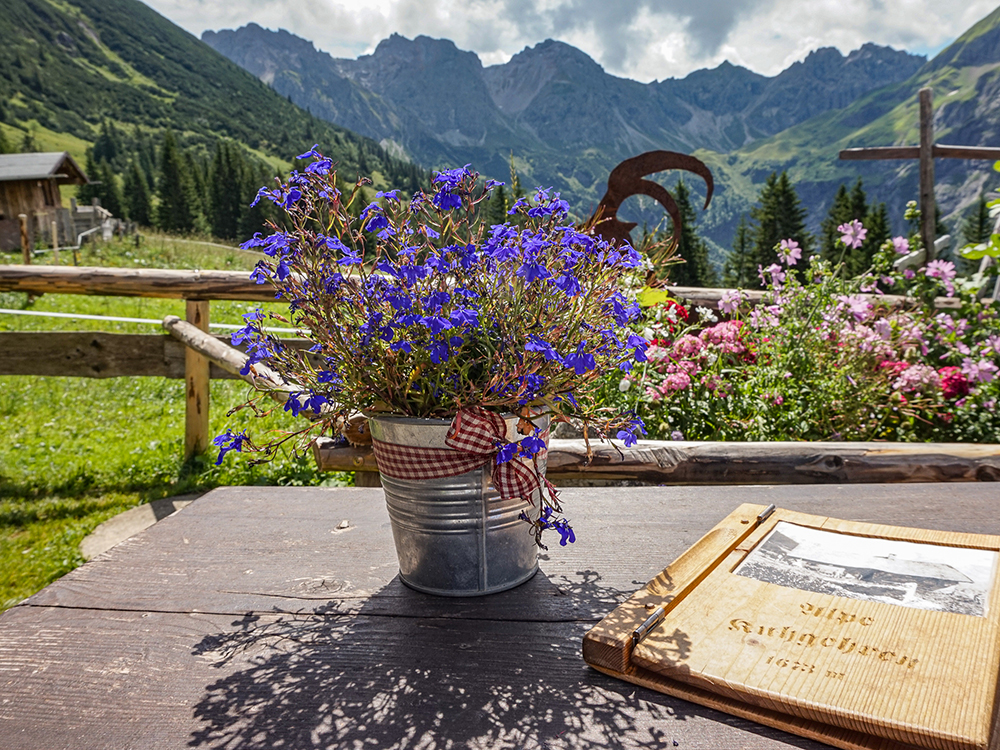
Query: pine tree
<point>4,145</point>
<point>175,212</point>
<point>841,212</point>
<point>138,206</point>
<point>29,145</point>
<point>226,190</point>
<point>740,270</point>
<point>252,220</point>
<point>779,216</point>
<point>696,270</point>
<point>977,226</point>
<point>859,202</point>
<point>879,228</point>
<point>497,207</point>
<point>108,146</point>
<point>87,192</point>
<point>108,191</point>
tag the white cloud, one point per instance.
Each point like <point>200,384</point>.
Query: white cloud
<point>641,39</point>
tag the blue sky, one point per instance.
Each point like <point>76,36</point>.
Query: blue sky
<point>640,39</point>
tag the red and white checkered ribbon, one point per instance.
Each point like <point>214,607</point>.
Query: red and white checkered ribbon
<point>474,439</point>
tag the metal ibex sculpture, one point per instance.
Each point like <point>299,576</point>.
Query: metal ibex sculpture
<point>627,180</point>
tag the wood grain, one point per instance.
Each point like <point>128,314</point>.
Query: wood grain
<point>714,463</point>
<point>134,282</point>
<point>197,389</point>
<point>249,619</point>
<point>94,354</point>
<point>928,221</point>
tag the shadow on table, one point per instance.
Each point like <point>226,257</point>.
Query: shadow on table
<point>329,678</point>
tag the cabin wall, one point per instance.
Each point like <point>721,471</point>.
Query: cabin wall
<point>28,197</point>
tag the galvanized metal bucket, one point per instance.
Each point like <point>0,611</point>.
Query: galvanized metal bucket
<point>455,536</point>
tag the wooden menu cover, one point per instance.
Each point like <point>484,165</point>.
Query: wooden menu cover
<point>854,634</point>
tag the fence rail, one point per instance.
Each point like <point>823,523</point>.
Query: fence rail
<point>236,285</point>
<point>191,355</point>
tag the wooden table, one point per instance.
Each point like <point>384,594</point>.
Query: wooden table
<point>251,620</point>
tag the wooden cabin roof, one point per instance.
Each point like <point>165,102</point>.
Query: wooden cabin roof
<point>55,164</point>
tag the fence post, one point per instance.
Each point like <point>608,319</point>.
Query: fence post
<point>197,385</point>
<point>25,239</point>
<point>55,242</point>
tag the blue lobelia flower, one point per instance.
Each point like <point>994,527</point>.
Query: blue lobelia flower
<point>507,453</point>
<point>580,361</point>
<point>229,441</point>
<point>533,271</point>
<point>627,437</point>
<point>439,351</point>
<point>536,344</point>
<point>435,323</point>
<point>569,284</point>
<point>531,445</point>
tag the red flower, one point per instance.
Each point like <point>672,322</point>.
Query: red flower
<point>953,382</point>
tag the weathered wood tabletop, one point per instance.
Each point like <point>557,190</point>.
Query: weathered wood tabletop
<point>251,620</point>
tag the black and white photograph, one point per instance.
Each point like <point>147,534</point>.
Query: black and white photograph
<point>909,574</point>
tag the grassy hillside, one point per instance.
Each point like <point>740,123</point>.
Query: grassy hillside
<point>66,65</point>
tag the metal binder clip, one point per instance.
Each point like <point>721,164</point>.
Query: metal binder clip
<point>764,514</point>
<point>651,622</point>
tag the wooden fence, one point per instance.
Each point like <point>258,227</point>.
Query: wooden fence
<point>191,353</point>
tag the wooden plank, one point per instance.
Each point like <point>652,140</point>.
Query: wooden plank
<point>25,239</point>
<point>678,462</point>
<point>939,151</point>
<point>134,282</point>
<point>279,655</point>
<point>317,679</point>
<point>928,221</point>
<point>197,391</point>
<point>942,150</point>
<point>209,285</point>
<point>94,354</point>
<point>255,549</point>
<point>880,152</point>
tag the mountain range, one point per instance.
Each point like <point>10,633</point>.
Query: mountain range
<point>567,122</point>
<point>69,66</point>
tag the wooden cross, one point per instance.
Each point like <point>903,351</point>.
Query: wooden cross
<point>926,152</point>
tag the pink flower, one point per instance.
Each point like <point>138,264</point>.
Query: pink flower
<point>901,245</point>
<point>944,270</point>
<point>688,346</point>
<point>678,381</point>
<point>858,306</point>
<point>979,372</point>
<point>730,301</point>
<point>908,273</point>
<point>917,378</point>
<point>776,272</point>
<point>789,252</point>
<point>852,234</point>
<point>779,400</point>
<point>992,345</point>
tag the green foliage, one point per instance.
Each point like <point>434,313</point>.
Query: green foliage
<point>4,145</point>
<point>779,215</point>
<point>740,270</point>
<point>816,360</point>
<point>138,204</point>
<point>696,269</point>
<point>977,226</point>
<point>177,208</point>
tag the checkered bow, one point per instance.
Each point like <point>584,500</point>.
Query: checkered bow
<point>474,439</point>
